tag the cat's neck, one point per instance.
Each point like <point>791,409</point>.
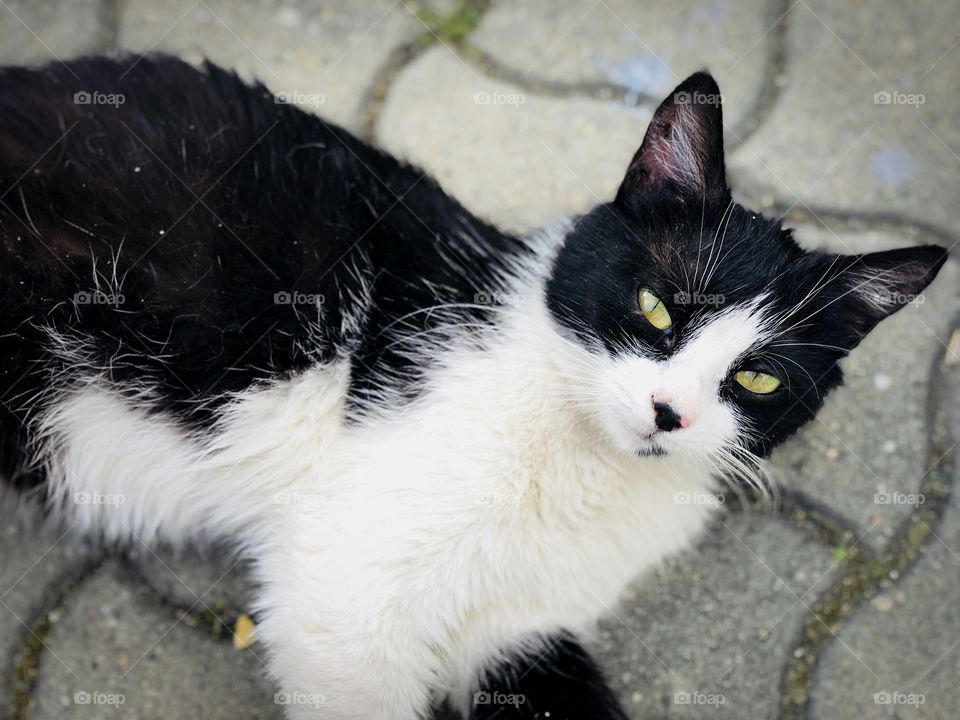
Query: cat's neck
<point>522,396</point>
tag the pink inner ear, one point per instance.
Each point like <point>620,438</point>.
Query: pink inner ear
<point>683,146</point>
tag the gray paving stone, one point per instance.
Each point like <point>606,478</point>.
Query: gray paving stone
<point>197,577</point>
<point>829,143</point>
<point>708,633</point>
<point>34,32</point>
<point>517,159</point>
<point>647,47</point>
<point>114,642</point>
<point>905,643</point>
<point>866,452</point>
<point>321,55</point>
<point>33,561</point>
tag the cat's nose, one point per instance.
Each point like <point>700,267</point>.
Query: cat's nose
<point>666,418</point>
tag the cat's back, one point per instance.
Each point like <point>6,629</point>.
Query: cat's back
<point>98,151</point>
<point>186,235</point>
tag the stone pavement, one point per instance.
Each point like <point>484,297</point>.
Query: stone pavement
<point>838,601</point>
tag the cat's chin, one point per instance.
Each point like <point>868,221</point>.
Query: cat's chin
<point>633,443</point>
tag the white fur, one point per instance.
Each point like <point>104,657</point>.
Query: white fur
<point>398,555</point>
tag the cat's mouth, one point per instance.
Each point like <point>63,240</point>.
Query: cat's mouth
<point>649,447</point>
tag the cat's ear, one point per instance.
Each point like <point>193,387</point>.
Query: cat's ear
<point>878,284</point>
<point>682,151</point>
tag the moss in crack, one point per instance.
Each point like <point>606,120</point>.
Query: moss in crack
<point>449,28</point>
<point>109,14</point>
<point>27,667</point>
<point>217,622</point>
<point>809,516</point>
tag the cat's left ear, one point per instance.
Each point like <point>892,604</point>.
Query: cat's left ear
<point>682,152</point>
<point>878,284</point>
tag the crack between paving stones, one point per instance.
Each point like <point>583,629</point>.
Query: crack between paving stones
<point>778,20</point>
<point>27,666</point>
<point>854,220</point>
<point>807,514</point>
<point>215,621</point>
<point>107,39</point>
<point>865,577</point>
<point>763,102</point>
<point>451,29</point>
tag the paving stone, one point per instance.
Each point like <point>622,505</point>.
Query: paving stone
<point>35,32</point>
<point>647,47</point>
<point>903,647</point>
<point>113,641</point>
<point>517,159</point>
<point>866,453</point>
<point>323,56</point>
<point>848,130</point>
<point>34,560</point>
<point>198,577</point>
<point>708,633</point>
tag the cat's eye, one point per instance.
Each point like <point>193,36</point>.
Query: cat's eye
<point>757,382</point>
<point>654,310</point>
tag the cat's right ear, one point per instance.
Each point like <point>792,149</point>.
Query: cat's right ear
<point>682,152</point>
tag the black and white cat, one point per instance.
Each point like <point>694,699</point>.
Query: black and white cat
<point>447,449</point>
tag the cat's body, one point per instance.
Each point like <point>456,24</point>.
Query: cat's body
<point>445,448</point>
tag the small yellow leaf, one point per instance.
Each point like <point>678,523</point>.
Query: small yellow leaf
<point>953,349</point>
<point>244,632</point>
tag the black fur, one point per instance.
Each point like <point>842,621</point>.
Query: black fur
<point>561,682</point>
<point>205,198</point>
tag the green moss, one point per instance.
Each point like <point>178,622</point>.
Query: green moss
<point>215,621</point>
<point>28,666</point>
<point>452,28</point>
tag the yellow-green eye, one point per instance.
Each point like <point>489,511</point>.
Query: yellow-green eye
<point>757,382</point>
<point>654,310</point>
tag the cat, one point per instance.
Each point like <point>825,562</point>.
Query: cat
<point>445,448</point>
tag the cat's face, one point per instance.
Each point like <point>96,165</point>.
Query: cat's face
<point>707,331</point>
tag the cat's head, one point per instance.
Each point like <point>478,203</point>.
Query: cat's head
<point>706,329</point>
